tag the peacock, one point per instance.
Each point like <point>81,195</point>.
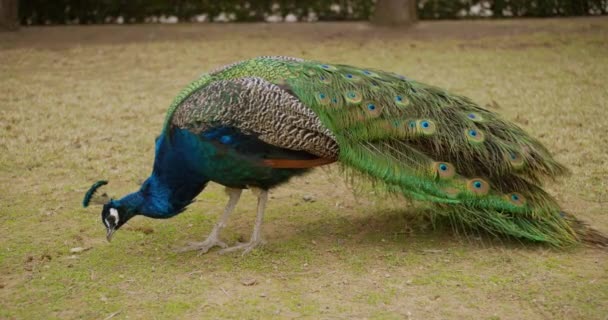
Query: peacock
<point>254,124</point>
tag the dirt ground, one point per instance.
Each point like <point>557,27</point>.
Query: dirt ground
<point>82,103</point>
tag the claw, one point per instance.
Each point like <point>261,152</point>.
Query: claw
<point>247,247</point>
<point>203,247</point>
<point>213,240</point>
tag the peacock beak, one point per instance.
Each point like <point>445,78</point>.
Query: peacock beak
<point>109,233</point>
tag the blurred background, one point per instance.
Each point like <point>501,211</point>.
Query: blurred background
<point>41,12</point>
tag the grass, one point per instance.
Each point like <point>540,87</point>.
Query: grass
<point>83,103</point>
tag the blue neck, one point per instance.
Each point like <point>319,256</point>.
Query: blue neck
<point>157,199</point>
<point>173,184</point>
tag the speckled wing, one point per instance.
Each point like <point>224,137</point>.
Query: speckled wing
<point>258,107</point>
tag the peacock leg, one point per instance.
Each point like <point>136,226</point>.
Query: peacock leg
<point>256,236</point>
<point>213,239</point>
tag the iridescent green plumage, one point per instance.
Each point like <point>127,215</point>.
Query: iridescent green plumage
<point>424,143</point>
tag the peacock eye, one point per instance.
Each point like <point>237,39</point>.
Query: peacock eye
<point>444,170</point>
<point>516,199</point>
<point>478,186</point>
<point>475,117</point>
<point>474,136</point>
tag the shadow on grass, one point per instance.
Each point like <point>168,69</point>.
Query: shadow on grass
<point>413,228</point>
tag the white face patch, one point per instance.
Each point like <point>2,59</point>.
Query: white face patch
<point>113,214</point>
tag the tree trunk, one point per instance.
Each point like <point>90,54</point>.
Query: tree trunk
<point>395,12</point>
<point>9,17</point>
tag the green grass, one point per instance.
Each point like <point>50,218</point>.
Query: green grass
<point>72,113</point>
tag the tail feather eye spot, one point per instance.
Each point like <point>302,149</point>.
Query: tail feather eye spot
<point>401,100</point>
<point>411,125</point>
<point>475,117</point>
<point>426,127</point>
<point>516,199</point>
<point>474,135</point>
<point>444,170</point>
<point>328,67</point>
<point>370,74</point>
<point>353,97</point>
<point>322,98</point>
<point>373,109</point>
<point>516,160</point>
<point>478,186</point>
<point>351,77</point>
<point>324,79</point>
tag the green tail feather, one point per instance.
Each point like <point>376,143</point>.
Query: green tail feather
<point>427,144</point>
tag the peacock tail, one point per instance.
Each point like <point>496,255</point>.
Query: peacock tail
<point>415,140</point>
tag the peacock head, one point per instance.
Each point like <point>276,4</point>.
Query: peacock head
<point>114,214</point>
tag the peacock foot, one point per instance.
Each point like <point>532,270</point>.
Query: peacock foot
<point>203,247</point>
<point>245,246</point>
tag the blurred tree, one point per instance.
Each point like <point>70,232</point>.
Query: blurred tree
<point>395,12</point>
<point>9,18</point>
<point>388,12</point>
